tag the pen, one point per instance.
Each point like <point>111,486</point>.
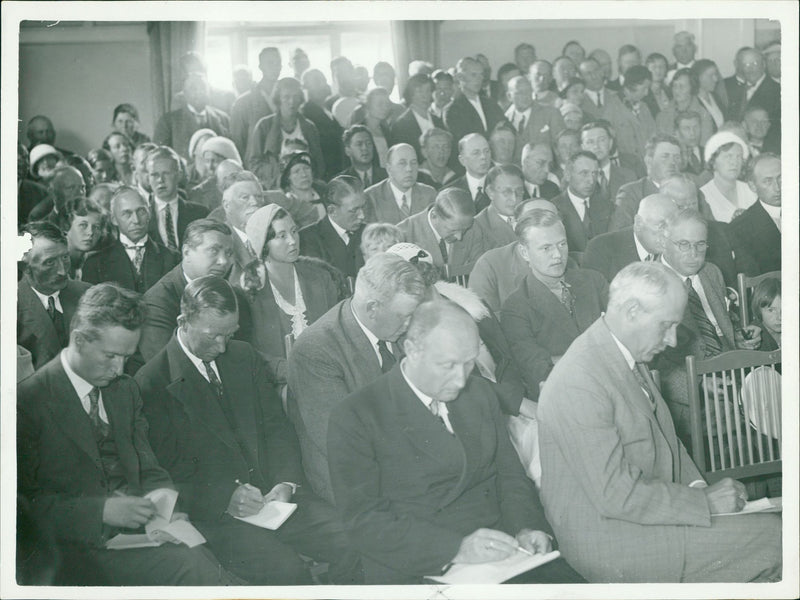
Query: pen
<point>247,485</point>
<point>524,550</point>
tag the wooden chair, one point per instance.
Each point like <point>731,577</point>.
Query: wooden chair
<point>459,274</point>
<point>735,426</point>
<point>746,285</point>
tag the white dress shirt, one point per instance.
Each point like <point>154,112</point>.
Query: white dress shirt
<point>474,184</point>
<point>437,237</point>
<point>43,299</point>
<point>130,247</point>
<point>82,389</point>
<point>640,250</point>
<point>398,196</point>
<point>516,117</point>
<point>161,206</point>
<point>578,203</point>
<point>342,233</point>
<point>698,287</point>
<point>751,89</point>
<point>476,102</point>
<point>426,400</point>
<point>373,340</point>
<point>198,362</point>
<point>596,97</point>
<point>424,123</point>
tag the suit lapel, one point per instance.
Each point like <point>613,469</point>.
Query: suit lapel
<point>240,397</point>
<point>152,229</point>
<point>183,220</point>
<point>546,302</point>
<point>718,307</point>
<point>358,341</point>
<point>39,319</point>
<point>119,266</point>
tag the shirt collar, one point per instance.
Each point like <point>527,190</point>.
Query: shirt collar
<point>197,362</point>
<point>607,170</point>
<point>754,87</point>
<point>626,354</point>
<point>242,235</point>
<point>575,199</point>
<point>82,387</point>
<point>373,339</point>
<point>474,183</point>
<point>43,299</point>
<point>640,250</point>
<point>194,111</point>
<point>433,229</point>
<point>125,241</point>
<point>694,277</point>
<point>772,211</point>
<point>426,400</point>
<point>161,204</point>
<point>398,194</point>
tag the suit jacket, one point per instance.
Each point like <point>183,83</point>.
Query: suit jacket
<point>767,96</point>
<point>247,110</point>
<point>58,464</point>
<point>176,127</point>
<point>330,137</point>
<point>497,273</point>
<point>113,264</point>
<point>187,212</point>
<point>610,252</point>
<point>579,233</point>
<point>409,492</point>
<point>267,136</point>
<point>543,126</point>
<point>619,176</point>
<point>627,202</point>
<point>665,121</point>
<point>461,118</point>
<point>615,478</point>
<point>329,360</point>
<point>29,194</point>
<point>381,206</point>
<point>756,241</point>
<point>35,329</point>
<point>465,251</point>
<point>206,193</point>
<point>191,436</point>
<point>481,199</point>
<point>406,130</point>
<point>547,190</point>
<point>378,173</point>
<point>492,229</point>
<point>538,326</point>
<point>632,132</point>
<point>242,256</point>
<point>322,241</point>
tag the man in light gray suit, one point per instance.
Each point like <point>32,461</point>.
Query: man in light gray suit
<point>344,350</point>
<point>399,196</point>
<point>625,500</point>
<point>495,223</point>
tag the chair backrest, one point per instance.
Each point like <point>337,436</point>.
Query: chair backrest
<point>458,274</point>
<point>746,285</point>
<point>735,410</point>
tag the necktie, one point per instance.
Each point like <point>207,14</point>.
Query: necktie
<point>643,379</point>
<point>214,380</point>
<point>650,257</point>
<point>521,124</point>
<point>51,308</point>
<point>586,212</point>
<point>481,200</point>
<point>602,182</point>
<point>404,207</point>
<point>367,181</point>
<point>599,99</point>
<point>443,250</point>
<point>100,426</point>
<point>512,222</point>
<point>708,332</point>
<point>535,191</point>
<point>387,358</point>
<point>172,239</point>
<point>567,298</point>
<point>138,257</point>
<point>58,321</point>
<point>436,410</point>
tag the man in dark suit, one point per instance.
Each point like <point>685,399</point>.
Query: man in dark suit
<point>422,467</point>
<point>330,131</point>
<point>597,138</point>
<point>360,149</point>
<point>408,127</point>
<point>536,160</point>
<point>663,159</point>
<point>175,128</point>
<point>585,213</point>
<point>29,193</point>
<point>169,213</point>
<point>240,200</point>
<point>553,304</point>
<point>256,103</point>
<point>67,183</point>
<point>345,349</point>
<point>83,458</point>
<point>217,427</point>
<point>336,239</point>
<point>610,252</point>
<point>470,111</point>
<point>756,234</point>
<point>495,223</point>
<point>133,260</point>
<point>400,195</point>
<point>436,147</point>
<point>46,296</point>
<point>475,156</point>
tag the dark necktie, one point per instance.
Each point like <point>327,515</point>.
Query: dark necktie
<point>643,379</point>
<point>586,220</point>
<point>435,408</point>
<point>599,99</point>
<point>100,426</point>
<point>443,250</point>
<point>214,381</point>
<point>58,321</point>
<point>567,298</point>
<point>172,239</point>
<point>481,199</point>
<point>367,181</point>
<point>707,330</point>
<point>602,182</point>
<point>404,207</point>
<point>387,358</point>
<point>521,125</point>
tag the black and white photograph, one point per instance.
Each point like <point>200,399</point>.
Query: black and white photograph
<point>433,300</point>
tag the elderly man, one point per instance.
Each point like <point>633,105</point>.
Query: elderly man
<point>596,96</point>
<point>705,329</point>
<point>40,130</point>
<point>475,155</point>
<point>411,501</point>
<point>400,195</point>
<point>336,238</point>
<point>256,103</point>
<point>175,128</point>
<point>240,200</point>
<point>83,458</point>
<point>630,117</point>
<point>536,159</point>
<point>67,184</point>
<point>756,233</point>
<point>495,224</point>
<point>445,231</point>
<point>684,50</point>
<point>563,71</point>
<point>46,296</point>
<point>216,151</point>
<point>611,252</point>
<point>663,159</point>
<point>534,122</point>
<point>597,137</point>
<point>344,350</point>
<point>756,124</point>
<point>226,396</point>
<point>470,111</point>
<point>359,147</point>
<point>540,74</point>
<point>133,260</point>
<point>585,212</point>
<point>436,146</point>
<point>553,304</point>
<point>169,213</point>
<point>330,131</point>
<point>214,185</point>
<point>624,498</point>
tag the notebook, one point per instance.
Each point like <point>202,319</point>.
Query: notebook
<point>494,572</point>
<point>272,515</point>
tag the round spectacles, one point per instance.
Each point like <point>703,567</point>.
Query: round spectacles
<point>686,246</point>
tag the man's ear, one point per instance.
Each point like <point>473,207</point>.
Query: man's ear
<point>372,308</point>
<point>522,251</point>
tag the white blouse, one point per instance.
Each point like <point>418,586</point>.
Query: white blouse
<point>296,311</point>
<point>721,208</point>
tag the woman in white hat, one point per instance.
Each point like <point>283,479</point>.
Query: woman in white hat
<point>725,156</point>
<point>198,170</point>
<point>287,292</point>
<point>44,158</point>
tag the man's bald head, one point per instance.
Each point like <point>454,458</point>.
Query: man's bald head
<point>224,171</point>
<point>67,183</point>
<point>41,131</point>
<point>651,218</point>
<point>681,190</point>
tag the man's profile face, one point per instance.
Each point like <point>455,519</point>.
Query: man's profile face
<point>766,181</point>
<point>40,131</point>
<point>441,363</point>
<point>163,176</point>
<point>471,77</point>
<point>349,214</point>
<point>453,228</point>
<point>598,142</point>
<point>437,151</point>
<point>536,165</point>
<point>540,76</point>
<point>402,167</point>
<point>390,320</point>
<point>506,193</point>
<point>100,361</point>
<point>665,162</point>
<point>207,334</point>
<point>212,256</point>
<point>683,247</point>
<point>520,92</point>
<point>656,322</point>
<point>360,149</point>
<point>583,176</point>
<point>243,199</point>
<point>546,251</point>
<point>48,265</point>
<point>129,213</point>
<point>476,156</point>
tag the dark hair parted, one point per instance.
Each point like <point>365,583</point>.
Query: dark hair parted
<point>210,292</point>
<point>198,228</point>
<point>108,305</point>
<point>339,188</point>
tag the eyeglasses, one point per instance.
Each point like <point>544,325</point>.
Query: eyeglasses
<point>415,259</point>
<point>685,246</point>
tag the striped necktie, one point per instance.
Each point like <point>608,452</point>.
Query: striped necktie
<point>169,226</point>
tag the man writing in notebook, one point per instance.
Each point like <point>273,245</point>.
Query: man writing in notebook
<point>216,425</point>
<point>422,468</point>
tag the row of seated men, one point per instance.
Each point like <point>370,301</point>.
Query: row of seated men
<point>189,394</point>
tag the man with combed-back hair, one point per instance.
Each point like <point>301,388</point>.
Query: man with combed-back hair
<point>83,457</point>
<point>241,197</point>
<point>625,500</point>
<point>505,186</point>
<point>346,348</point>
<point>471,111</point>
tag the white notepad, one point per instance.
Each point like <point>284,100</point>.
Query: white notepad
<point>494,572</point>
<point>757,506</point>
<point>272,515</point>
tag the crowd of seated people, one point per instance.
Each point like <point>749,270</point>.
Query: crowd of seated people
<point>429,324</point>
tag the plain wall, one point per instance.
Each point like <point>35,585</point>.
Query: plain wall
<point>76,75</point>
